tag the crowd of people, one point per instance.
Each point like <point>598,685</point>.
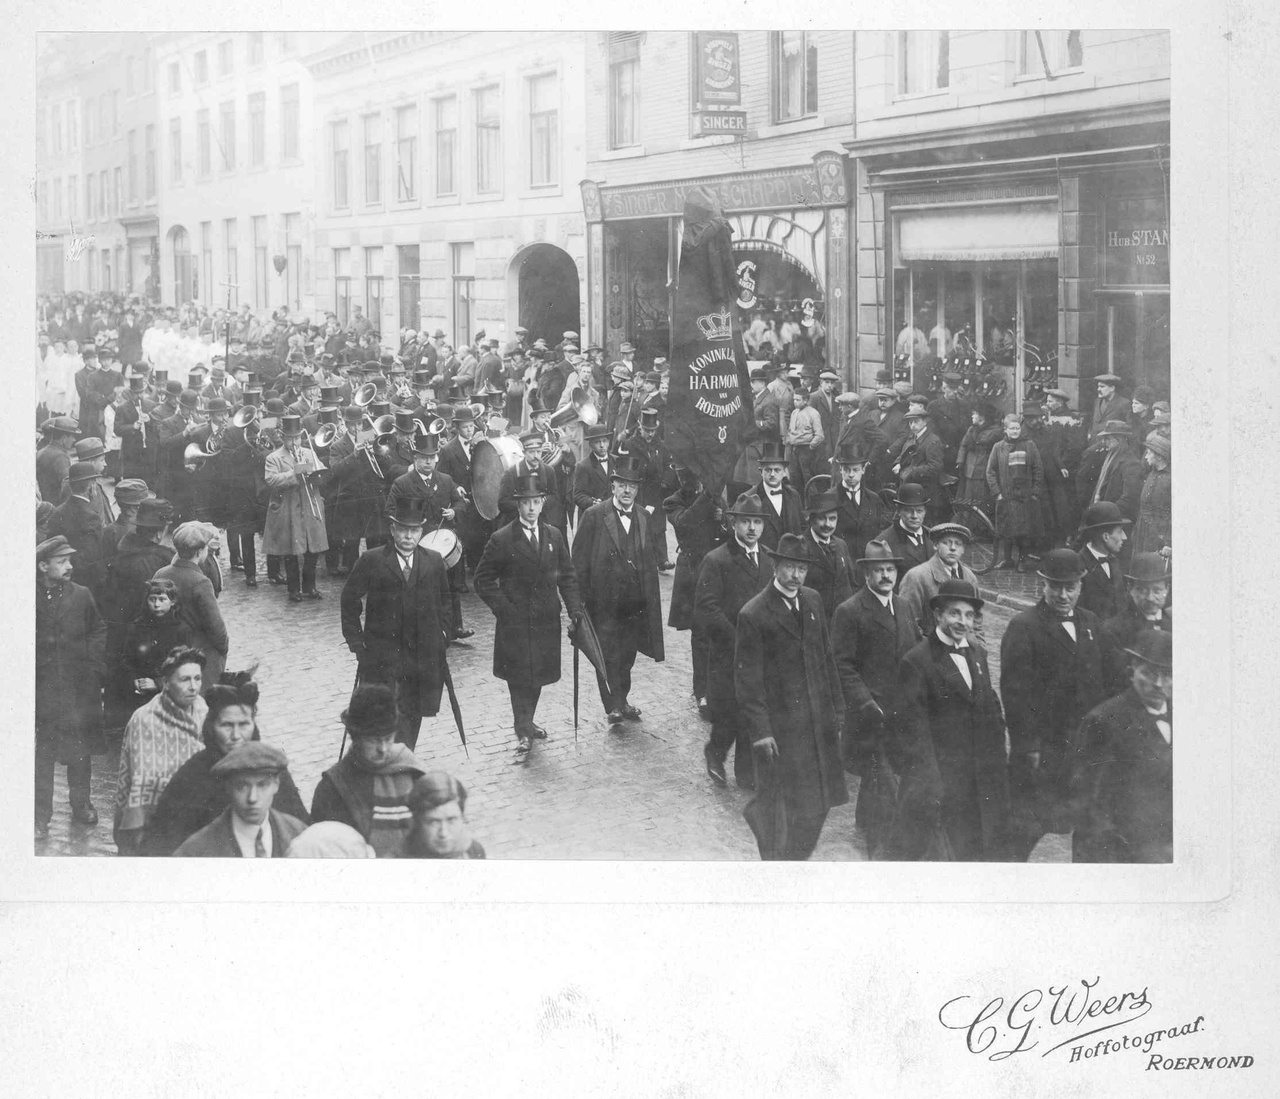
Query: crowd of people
<point>834,627</point>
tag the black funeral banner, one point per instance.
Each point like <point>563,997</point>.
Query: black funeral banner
<point>709,402</point>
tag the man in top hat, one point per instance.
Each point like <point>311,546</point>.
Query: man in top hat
<point>249,827</point>
<point>907,534</point>
<point>80,523</point>
<point>523,576</point>
<point>921,461</point>
<point>860,513</point>
<point>950,736</point>
<point>830,562</point>
<point>871,632</point>
<point>1147,578</point>
<point>70,668</point>
<point>923,582</point>
<point>591,475</point>
<point>133,426</point>
<point>1111,471</point>
<point>1123,771</point>
<point>1050,677</point>
<point>784,510</point>
<point>1153,532</point>
<point>402,591</point>
<point>53,459</point>
<point>730,576</point>
<point>358,493</point>
<point>1109,406</point>
<point>1103,534</point>
<point>444,503</point>
<point>532,465</point>
<point>616,561</point>
<point>659,479</point>
<point>295,513</point>
<point>791,702</point>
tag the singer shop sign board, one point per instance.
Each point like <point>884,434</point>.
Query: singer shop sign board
<point>710,123</point>
<point>716,71</point>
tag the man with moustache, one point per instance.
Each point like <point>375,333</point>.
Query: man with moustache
<point>790,699</point>
<point>920,462</point>
<point>1111,471</point>
<point>1148,576</point>
<point>1050,677</point>
<point>729,577</point>
<point>830,562</point>
<point>907,535</point>
<point>784,512</point>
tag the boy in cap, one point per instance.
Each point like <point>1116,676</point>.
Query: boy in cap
<point>249,827</point>
<point>70,667</point>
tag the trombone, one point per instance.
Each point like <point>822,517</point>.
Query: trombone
<point>306,441</point>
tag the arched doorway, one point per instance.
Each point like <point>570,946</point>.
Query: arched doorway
<point>184,268</point>
<point>547,301</point>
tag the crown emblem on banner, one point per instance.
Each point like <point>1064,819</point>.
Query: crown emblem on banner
<point>716,326</point>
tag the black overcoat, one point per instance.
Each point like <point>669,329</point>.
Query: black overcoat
<point>692,515</point>
<point>861,522</point>
<point>921,463</point>
<point>726,583</point>
<point>78,522</point>
<point>790,522</point>
<point>788,688</point>
<point>71,639</point>
<point>830,572</point>
<point>524,589</point>
<point>1106,596</point>
<point>1119,633</point>
<point>911,554</point>
<point>599,561</point>
<point>591,483</point>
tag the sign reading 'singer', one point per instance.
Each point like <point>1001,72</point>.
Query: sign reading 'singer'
<point>708,403</point>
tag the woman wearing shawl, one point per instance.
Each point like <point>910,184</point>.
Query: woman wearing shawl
<point>368,788</point>
<point>160,737</point>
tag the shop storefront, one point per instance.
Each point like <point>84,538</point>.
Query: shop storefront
<point>791,249</point>
<point>140,273</point>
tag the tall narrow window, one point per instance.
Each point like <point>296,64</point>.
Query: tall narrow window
<point>175,78</point>
<point>130,76</point>
<point>204,143</point>
<point>104,204</point>
<point>339,136</point>
<point>289,121</point>
<point>446,112</point>
<point>227,111</point>
<point>463,262</point>
<point>131,159</point>
<point>371,124</point>
<point>373,286</point>
<point>795,75</point>
<point>202,68</point>
<point>260,285</point>
<point>226,58</point>
<point>257,130</point>
<point>89,205</point>
<point>57,199</point>
<point>149,162</point>
<point>73,126</point>
<point>42,200</point>
<point>407,153</point>
<point>488,140</point>
<point>147,82</point>
<point>342,284</point>
<point>118,190</point>
<point>293,257</point>
<point>115,112</point>
<point>73,197</point>
<point>257,50</point>
<point>288,43</point>
<point>624,89</point>
<point>88,123</point>
<point>230,235</point>
<point>924,61</point>
<point>407,257</point>
<point>42,122</point>
<point>544,130</point>
<point>1047,53</point>
<point>55,128</point>
<point>175,150</point>
<point>206,261</point>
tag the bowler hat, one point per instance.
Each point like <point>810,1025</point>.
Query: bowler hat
<point>218,404</point>
<point>879,551</point>
<point>1159,445</point>
<point>1101,515</point>
<point>408,511</point>
<point>290,426</point>
<point>352,414</point>
<point>372,709</point>
<point>1061,565</point>
<point>153,514</point>
<point>89,448</point>
<point>819,503</point>
<point>438,334</point>
<point>1117,428</point>
<point>82,471</point>
<point>627,467</point>
<point>189,399</point>
<point>250,757</point>
<point>131,490</point>
<point>57,546</point>
<point>956,589</point>
<point>747,506</point>
<point>1147,568</point>
<point>912,496</point>
<point>1154,647</point>
<point>275,407</point>
<point>772,453</point>
<point>528,487</point>
<point>463,414</point>
<point>942,530</point>
<point>759,374</point>
<point>173,388</point>
<point>597,431</point>
<point>791,547</point>
<point>405,421</point>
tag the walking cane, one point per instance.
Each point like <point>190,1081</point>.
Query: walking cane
<point>575,698</point>
<point>342,750</point>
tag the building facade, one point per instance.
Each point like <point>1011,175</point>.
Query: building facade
<point>446,182</point>
<point>1013,202</point>
<point>236,169</point>
<point>760,118</point>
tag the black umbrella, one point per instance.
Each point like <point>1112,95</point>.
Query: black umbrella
<point>453,703</point>
<point>583,635</point>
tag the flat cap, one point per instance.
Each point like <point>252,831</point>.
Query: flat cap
<point>250,756</point>
<point>131,490</point>
<point>50,548</point>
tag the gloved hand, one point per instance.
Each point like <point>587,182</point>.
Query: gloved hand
<point>766,749</point>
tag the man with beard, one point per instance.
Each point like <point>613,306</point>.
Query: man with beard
<point>1123,772</point>
<point>730,576</point>
<point>790,700</point>
<point>1050,677</point>
<point>616,562</point>
<point>784,512</point>
<point>1148,577</point>
<point>907,535</point>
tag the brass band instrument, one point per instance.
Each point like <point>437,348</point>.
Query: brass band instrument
<point>305,476</point>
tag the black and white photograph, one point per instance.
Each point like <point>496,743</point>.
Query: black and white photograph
<point>670,445</point>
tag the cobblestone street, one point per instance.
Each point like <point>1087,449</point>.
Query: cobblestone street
<point>637,793</point>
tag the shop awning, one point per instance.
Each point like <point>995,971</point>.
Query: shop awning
<point>975,234</point>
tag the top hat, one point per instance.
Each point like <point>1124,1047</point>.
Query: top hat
<point>1101,515</point>
<point>627,467</point>
<point>408,511</point>
<point>160,374</point>
<point>90,448</point>
<point>378,409</point>
<point>911,496</point>
<point>494,397</point>
<point>57,546</point>
<point>747,506</point>
<point>1158,444</point>
<point>330,394</point>
<point>1117,428</point>
<point>251,757</point>
<point>944,529</point>
<point>597,431</point>
<point>791,547</point>
<point>648,417</point>
<point>422,379</point>
<point>425,444</point>
<point>772,453</point>
<point>253,396</point>
<point>329,415</point>
<point>372,709</point>
<point>879,551</point>
<point>1107,379</point>
<point>1061,565</point>
<point>956,589</point>
<point>528,487</point>
<point>154,514</point>
<point>1147,568</point>
<point>137,384</point>
<point>195,380</point>
<point>290,425</point>
<point>851,454</point>
<point>405,421</point>
<point>1154,647</point>
<point>819,503</point>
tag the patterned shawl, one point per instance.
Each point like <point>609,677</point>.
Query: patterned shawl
<point>158,740</point>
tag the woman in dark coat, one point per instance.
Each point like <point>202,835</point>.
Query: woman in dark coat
<point>196,599</point>
<point>1015,479</point>
<point>975,450</point>
<point>157,631</point>
<point>194,798</point>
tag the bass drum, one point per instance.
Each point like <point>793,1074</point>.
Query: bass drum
<point>490,459</point>
<point>445,543</point>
